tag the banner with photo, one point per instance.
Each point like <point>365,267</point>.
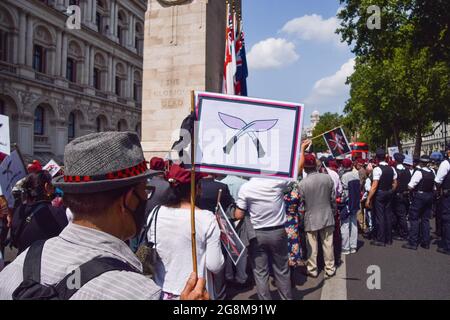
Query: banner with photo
<point>337,142</point>
<point>228,236</point>
<point>52,167</point>
<point>247,136</point>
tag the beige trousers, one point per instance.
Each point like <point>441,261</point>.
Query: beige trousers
<point>326,236</point>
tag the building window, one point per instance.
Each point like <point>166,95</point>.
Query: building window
<point>3,46</point>
<point>98,21</point>
<point>39,58</point>
<point>99,124</point>
<point>2,107</point>
<point>74,2</point>
<point>71,128</point>
<point>118,86</point>
<point>135,92</point>
<point>71,70</point>
<point>119,126</point>
<point>97,80</point>
<point>119,34</point>
<point>39,121</point>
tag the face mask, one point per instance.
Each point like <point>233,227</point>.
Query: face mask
<point>138,213</point>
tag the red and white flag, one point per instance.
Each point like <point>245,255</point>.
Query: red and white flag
<point>230,66</point>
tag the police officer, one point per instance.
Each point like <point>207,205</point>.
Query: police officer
<point>436,160</point>
<point>443,182</point>
<point>380,198</point>
<point>401,199</point>
<point>422,185</point>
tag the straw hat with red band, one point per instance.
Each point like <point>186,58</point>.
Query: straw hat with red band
<point>177,175</point>
<point>103,161</point>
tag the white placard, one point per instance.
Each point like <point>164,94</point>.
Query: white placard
<point>247,136</point>
<point>52,167</point>
<point>12,170</point>
<point>392,151</point>
<point>5,145</point>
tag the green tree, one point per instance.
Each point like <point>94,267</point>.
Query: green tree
<point>401,81</point>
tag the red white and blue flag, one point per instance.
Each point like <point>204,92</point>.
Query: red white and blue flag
<point>229,70</point>
<point>240,84</point>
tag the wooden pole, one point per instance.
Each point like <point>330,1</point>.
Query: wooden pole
<point>320,135</point>
<point>219,195</point>
<point>193,233</point>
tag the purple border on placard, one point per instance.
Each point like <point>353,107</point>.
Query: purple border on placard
<point>262,101</point>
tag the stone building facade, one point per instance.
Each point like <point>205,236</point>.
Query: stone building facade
<point>430,143</point>
<point>58,83</point>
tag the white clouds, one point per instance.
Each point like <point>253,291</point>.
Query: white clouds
<point>272,54</point>
<point>314,28</point>
<point>332,89</point>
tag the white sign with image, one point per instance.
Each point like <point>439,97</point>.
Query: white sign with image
<point>247,136</point>
<point>392,151</point>
<point>5,146</point>
<point>52,167</point>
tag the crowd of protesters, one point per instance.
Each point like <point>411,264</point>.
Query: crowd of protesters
<point>126,222</point>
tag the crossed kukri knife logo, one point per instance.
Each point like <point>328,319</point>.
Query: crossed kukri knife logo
<point>244,128</point>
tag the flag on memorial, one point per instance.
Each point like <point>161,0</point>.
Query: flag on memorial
<point>337,142</point>
<point>240,85</point>
<point>229,68</point>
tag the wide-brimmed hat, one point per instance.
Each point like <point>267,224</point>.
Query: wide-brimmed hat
<point>103,161</point>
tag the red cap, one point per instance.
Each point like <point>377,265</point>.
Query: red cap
<point>157,164</point>
<point>347,163</point>
<point>332,165</point>
<point>177,175</point>
<point>310,161</point>
<point>35,166</point>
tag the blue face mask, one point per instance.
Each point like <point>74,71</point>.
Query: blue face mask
<point>59,192</point>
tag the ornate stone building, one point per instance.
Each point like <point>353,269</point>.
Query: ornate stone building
<point>58,83</point>
<point>315,118</point>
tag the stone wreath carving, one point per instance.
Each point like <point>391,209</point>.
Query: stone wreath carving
<point>173,2</point>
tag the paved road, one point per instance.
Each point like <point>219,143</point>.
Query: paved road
<point>405,274</point>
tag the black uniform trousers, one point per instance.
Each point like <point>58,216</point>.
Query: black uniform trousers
<point>419,218</point>
<point>445,220</point>
<point>400,207</point>
<point>383,216</point>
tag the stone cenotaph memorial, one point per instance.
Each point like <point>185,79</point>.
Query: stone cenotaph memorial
<point>183,50</point>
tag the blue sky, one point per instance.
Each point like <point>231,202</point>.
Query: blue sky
<point>294,54</point>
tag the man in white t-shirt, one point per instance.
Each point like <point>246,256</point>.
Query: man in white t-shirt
<point>263,199</point>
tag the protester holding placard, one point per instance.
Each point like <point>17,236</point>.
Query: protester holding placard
<point>169,230</point>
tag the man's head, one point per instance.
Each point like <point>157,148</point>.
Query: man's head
<point>105,182</point>
<point>310,163</point>
<point>380,154</point>
<point>347,164</point>
<point>424,160</point>
<point>399,158</point>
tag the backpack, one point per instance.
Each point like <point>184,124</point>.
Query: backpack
<point>146,252</point>
<point>20,222</point>
<point>32,289</point>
